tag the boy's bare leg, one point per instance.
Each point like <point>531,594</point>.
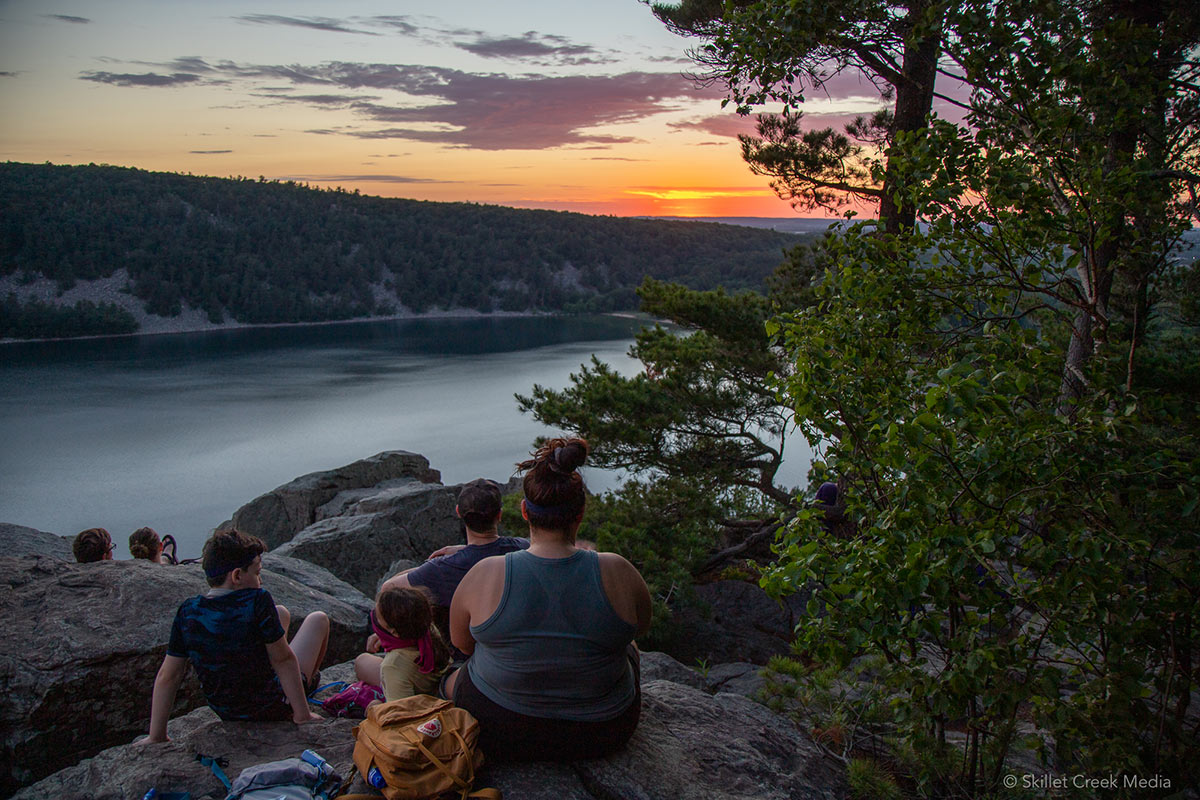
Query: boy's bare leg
<point>310,642</point>
<point>285,617</point>
<point>368,669</point>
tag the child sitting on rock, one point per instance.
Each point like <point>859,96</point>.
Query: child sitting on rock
<point>92,545</point>
<point>415,655</point>
<point>144,543</point>
<point>235,637</point>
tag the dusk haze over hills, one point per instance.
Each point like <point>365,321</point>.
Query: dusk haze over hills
<point>535,104</point>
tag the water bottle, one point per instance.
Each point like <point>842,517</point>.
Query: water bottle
<point>323,768</point>
<point>375,778</point>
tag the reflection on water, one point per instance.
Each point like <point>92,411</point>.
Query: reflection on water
<point>177,431</point>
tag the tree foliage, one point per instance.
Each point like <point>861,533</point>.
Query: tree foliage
<point>701,428</point>
<point>1005,393</point>
<point>40,320</point>
<point>894,45</point>
<point>259,251</point>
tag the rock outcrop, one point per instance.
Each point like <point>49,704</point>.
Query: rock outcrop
<point>81,644</point>
<point>18,540</point>
<point>281,513</point>
<point>410,521</point>
<point>688,744</point>
<point>319,579</point>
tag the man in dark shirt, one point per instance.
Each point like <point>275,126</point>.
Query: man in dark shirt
<point>479,509</point>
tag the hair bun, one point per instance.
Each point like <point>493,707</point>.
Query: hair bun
<point>568,457</point>
<point>559,456</point>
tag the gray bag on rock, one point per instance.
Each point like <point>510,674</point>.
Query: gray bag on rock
<point>307,778</point>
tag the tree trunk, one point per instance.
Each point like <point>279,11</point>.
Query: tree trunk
<point>914,100</point>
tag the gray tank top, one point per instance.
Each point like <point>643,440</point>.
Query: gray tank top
<point>554,648</point>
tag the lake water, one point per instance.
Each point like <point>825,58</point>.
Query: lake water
<point>178,431</point>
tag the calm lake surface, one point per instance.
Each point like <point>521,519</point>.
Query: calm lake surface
<point>177,431</point>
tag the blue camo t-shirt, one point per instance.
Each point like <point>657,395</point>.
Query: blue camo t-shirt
<point>225,636</point>
<point>441,576</point>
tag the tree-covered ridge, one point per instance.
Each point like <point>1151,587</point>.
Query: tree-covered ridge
<point>258,251</point>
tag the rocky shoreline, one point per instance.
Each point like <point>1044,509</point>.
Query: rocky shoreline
<point>84,641</point>
<point>113,289</point>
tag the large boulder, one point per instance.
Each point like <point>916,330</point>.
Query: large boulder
<point>688,744</point>
<point>281,513</point>
<point>18,540</point>
<point>399,521</point>
<point>722,747</point>
<point>317,578</point>
<point>81,645</point>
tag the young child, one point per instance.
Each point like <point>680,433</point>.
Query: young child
<point>235,637</point>
<point>144,543</point>
<point>415,655</point>
<point>92,545</point>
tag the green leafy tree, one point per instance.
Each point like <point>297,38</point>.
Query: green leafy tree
<point>701,419</point>
<point>993,390</point>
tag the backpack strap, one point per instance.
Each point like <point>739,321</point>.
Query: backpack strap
<point>339,684</point>
<point>215,765</point>
<point>416,741</point>
<point>486,794</point>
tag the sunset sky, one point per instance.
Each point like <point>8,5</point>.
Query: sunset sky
<point>559,104</point>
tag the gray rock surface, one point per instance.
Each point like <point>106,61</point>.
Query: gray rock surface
<point>737,678</point>
<point>81,644</point>
<point>281,513</point>
<point>18,540</point>
<point>318,578</point>
<point>740,624</point>
<point>689,744</point>
<point>407,521</point>
<point>660,666</point>
<point>127,772</point>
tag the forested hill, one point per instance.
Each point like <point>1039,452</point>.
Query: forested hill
<point>257,251</point>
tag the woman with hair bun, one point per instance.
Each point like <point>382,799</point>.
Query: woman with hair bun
<point>553,671</point>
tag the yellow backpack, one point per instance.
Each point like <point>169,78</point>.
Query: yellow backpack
<point>421,747</point>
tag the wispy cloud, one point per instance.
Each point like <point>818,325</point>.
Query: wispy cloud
<point>209,152</point>
<point>142,79</point>
<point>399,24</point>
<point>485,111</point>
<point>68,18</point>
<point>313,23</point>
<point>336,100</point>
<point>733,125</point>
<point>535,47</point>
<point>728,125</point>
<point>9,74</point>
<point>614,158</point>
<point>699,193</point>
<point>364,179</point>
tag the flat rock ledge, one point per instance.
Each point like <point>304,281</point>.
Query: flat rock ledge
<point>689,744</point>
<point>81,645</point>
